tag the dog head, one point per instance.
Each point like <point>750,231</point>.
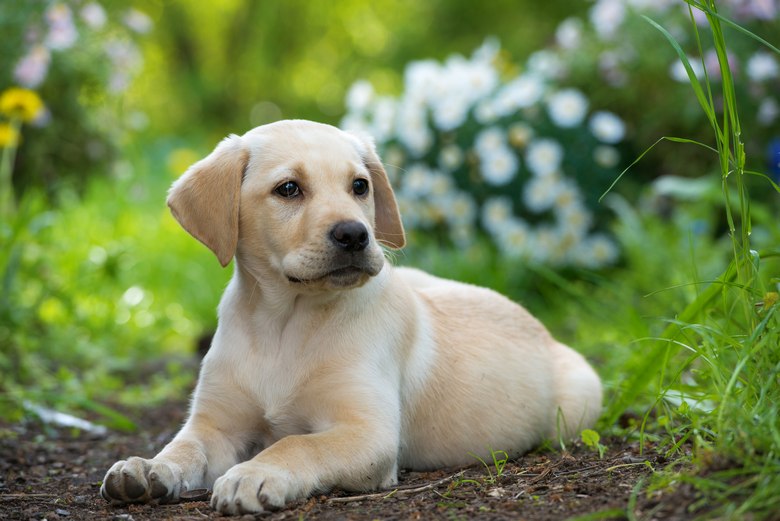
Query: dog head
<point>301,201</point>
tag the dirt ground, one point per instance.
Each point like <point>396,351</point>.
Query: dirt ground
<point>55,474</point>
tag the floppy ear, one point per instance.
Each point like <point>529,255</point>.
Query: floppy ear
<point>205,198</point>
<point>388,228</point>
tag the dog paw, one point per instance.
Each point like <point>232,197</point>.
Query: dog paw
<point>251,487</point>
<point>139,480</point>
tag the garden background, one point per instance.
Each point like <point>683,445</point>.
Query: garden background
<point>610,164</point>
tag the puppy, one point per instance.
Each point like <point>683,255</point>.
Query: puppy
<point>329,367</point>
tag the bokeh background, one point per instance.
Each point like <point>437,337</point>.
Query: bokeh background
<point>503,124</point>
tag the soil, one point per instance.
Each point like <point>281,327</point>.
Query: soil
<point>55,474</point>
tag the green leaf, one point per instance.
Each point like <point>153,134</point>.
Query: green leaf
<point>590,438</point>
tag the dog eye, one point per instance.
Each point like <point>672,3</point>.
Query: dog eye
<point>360,186</point>
<point>288,189</point>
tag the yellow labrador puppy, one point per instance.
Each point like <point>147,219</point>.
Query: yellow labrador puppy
<point>330,368</point>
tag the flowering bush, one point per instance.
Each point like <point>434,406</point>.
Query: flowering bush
<point>618,56</point>
<point>517,157</point>
<point>80,58</point>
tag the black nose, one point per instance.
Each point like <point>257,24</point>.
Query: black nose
<point>350,236</point>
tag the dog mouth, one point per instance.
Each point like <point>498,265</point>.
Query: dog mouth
<point>340,276</point>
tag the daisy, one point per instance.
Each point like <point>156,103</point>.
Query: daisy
<point>607,127</point>
<point>567,108</point>
<point>499,166</point>
<point>544,156</point>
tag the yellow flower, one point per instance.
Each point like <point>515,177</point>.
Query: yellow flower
<point>9,135</point>
<point>19,103</point>
<point>770,299</point>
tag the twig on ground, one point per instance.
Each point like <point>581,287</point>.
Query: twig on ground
<point>9,497</point>
<point>396,492</point>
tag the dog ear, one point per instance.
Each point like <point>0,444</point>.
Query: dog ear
<point>388,228</point>
<point>205,199</point>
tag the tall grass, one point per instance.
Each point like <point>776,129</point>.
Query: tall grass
<point>716,366</point>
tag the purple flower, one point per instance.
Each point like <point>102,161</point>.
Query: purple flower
<point>773,158</point>
<point>31,70</point>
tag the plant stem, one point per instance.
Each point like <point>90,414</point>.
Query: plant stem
<point>7,202</point>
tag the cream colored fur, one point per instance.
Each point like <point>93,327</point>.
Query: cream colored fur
<point>319,378</point>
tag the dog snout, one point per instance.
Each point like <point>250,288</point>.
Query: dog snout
<point>350,236</point>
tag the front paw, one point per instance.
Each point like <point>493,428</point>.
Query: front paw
<point>251,487</point>
<point>139,480</point>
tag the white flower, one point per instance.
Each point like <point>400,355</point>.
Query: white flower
<point>514,238</point>
<point>488,51</point>
<point>768,111</point>
<point>762,66</point>
<point>94,15</point>
<point>359,96</point>
<point>419,76</point>
<point>383,121</point>
<point>459,208</point>
<point>522,92</point>
<point>544,156</point>
<point>595,251</point>
<point>499,166</point>
<point>31,70</point>
<point>450,157</point>
<point>567,107</point>
<point>546,64</point>
<point>540,192</point>
<point>489,140</point>
<point>607,127</point>
<point>440,184</point>
<point>125,58</point>
<point>606,156</point>
<point>567,196</point>
<point>575,218</point>
<point>496,212</point>
<point>456,88</point>
<point>568,35</point>
<point>485,112</point>
<point>607,16</point>
<point>416,181</point>
<point>678,72</point>
<point>62,32</point>
<point>450,111</point>
<point>480,77</point>
<point>137,21</point>
<point>412,129</point>
<point>611,67</point>
<point>545,242</point>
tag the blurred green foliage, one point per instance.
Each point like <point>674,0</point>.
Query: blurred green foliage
<point>239,64</point>
<point>102,297</point>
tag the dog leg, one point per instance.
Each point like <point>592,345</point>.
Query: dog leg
<point>198,454</point>
<point>190,461</point>
<point>350,457</point>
